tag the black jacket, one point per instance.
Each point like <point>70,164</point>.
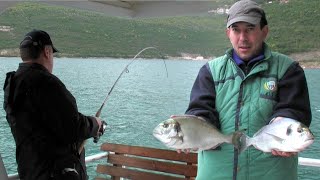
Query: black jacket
<point>45,123</point>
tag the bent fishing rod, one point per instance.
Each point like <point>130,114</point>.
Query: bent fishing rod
<point>104,124</point>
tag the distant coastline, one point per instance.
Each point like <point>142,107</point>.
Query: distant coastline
<point>309,60</point>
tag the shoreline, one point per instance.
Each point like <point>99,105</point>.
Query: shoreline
<point>307,63</point>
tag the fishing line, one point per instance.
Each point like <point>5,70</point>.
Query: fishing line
<point>127,71</point>
<point>133,128</point>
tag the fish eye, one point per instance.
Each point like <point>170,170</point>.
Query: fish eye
<point>165,125</point>
<point>299,130</point>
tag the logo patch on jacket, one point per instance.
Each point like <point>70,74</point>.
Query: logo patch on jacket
<point>270,85</point>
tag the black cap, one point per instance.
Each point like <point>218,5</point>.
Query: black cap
<point>37,38</point>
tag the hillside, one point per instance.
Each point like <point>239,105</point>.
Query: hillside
<point>78,33</point>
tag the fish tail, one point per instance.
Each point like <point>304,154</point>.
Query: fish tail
<point>245,142</point>
<point>240,141</point>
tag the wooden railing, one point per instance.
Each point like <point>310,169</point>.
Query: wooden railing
<point>144,163</point>
<point>149,163</point>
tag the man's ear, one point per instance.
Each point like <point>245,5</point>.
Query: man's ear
<point>265,31</point>
<point>47,51</point>
<point>228,32</point>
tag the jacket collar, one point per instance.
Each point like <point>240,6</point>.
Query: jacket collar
<point>265,54</point>
<point>32,65</point>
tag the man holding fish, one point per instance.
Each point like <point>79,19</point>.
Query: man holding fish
<point>250,90</point>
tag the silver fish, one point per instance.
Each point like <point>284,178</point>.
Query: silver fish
<point>287,135</point>
<point>192,132</point>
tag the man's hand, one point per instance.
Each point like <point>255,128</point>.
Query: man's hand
<point>99,121</point>
<point>102,128</point>
<point>183,150</point>
<point>283,154</point>
<point>186,150</point>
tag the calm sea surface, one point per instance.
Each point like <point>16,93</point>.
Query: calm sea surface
<point>141,99</point>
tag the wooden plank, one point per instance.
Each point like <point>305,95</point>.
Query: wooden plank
<point>154,164</point>
<point>133,174</point>
<point>150,152</point>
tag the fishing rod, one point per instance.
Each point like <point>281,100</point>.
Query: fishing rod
<point>104,124</point>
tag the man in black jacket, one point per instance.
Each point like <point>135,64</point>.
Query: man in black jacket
<point>43,115</point>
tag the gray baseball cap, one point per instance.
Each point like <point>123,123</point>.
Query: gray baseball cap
<point>245,11</point>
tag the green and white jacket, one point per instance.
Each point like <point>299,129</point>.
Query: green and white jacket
<point>234,100</point>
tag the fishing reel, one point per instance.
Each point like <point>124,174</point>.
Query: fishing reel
<point>101,131</point>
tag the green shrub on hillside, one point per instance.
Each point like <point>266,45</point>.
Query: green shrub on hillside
<point>294,26</point>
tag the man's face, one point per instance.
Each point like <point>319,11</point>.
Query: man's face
<point>247,39</point>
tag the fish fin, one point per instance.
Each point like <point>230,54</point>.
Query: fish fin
<point>181,116</point>
<point>180,138</point>
<point>277,138</point>
<point>186,116</point>
<point>258,132</point>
